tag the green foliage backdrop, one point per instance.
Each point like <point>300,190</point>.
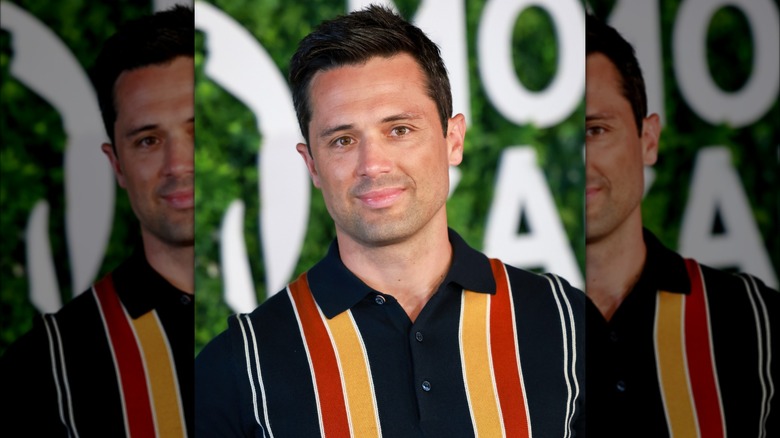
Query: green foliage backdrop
<point>227,138</point>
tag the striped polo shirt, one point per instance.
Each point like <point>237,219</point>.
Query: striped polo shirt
<point>497,351</point>
<point>115,361</point>
<point>691,352</point>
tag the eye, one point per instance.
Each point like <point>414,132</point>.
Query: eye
<point>147,141</point>
<point>400,131</point>
<point>343,141</point>
<point>592,131</point>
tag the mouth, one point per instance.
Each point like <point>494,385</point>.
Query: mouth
<point>591,191</point>
<point>180,199</point>
<point>380,198</point>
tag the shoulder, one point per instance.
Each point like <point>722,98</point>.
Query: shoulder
<point>244,329</point>
<point>228,370</point>
<point>71,317</point>
<point>722,283</point>
<point>526,282</point>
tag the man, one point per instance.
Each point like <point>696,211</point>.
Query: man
<point>674,348</point>
<point>402,329</point>
<point>117,360</point>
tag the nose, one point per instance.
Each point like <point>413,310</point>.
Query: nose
<point>373,158</point>
<point>180,154</point>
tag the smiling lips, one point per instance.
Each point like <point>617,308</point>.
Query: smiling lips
<point>591,191</point>
<point>380,198</point>
<point>180,199</point>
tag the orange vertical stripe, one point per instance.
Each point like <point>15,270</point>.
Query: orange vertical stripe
<point>330,396</point>
<point>127,359</point>
<point>356,373</point>
<point>506,366</point>
<point>671,359</point>
<point>701,366</point>
<point>474,345</point>
<point>168,414</point>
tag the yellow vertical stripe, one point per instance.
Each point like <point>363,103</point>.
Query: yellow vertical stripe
<point>161,375</point>
<point>356,375</point>
<point>672,369</point>
<point>475,353</point>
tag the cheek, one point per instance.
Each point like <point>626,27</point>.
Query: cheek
<point>142,173</point>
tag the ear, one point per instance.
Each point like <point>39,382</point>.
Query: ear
<point>456,135</point>
<point>651,132</point>
<point>108,149</point>
<point>303,150</point>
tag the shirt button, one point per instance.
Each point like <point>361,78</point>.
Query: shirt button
<point>426,385</point>
<point>418,336</point>
<point>620,386</point>
<point>613,336</point>
<point>185,299</point>
<point>379,299</point>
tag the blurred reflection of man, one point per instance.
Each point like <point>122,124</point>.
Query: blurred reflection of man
<point>674,348</point>
<point>117,360</point>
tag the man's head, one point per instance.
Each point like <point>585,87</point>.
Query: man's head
<point>149,40</point>
<point>604,39</point>
<point>620,140</point>
<point>354,39</point>
<point>373,97</point>
<point>144,81</point>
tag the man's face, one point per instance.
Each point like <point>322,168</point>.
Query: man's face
<point>615,152</point>
<point>154,142</point>
<point>379,154</point>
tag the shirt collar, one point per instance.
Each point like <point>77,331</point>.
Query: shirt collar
<point>336,289</point>
<point>140,287</point>
<point>664,269</point>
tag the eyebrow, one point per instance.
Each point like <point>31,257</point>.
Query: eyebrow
<point>402,116</point>
<point>135,131</point>
<point>149,127</point>
<point>328,132</point>
<point>389,119</point>
<point>599,116</point>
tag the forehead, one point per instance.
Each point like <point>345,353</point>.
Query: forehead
<point>399,71</point>
<point>397,80</point>
<point>153,84</point>
<point>603,83</point>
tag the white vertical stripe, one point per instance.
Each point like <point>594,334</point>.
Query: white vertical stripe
<point>55,375</point>
<point>249,369</point>
<point>566,366</point>
<point>308,357</point>
<point>260,378</point>
<point>113,356</point>
<point>767,387</point>
<point>573,348</point>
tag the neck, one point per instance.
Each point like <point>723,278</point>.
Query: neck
<point>411,271</point>
<point>176,264</point>
<point>613,266</point>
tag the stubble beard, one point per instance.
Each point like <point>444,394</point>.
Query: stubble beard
<point>173,227</point>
